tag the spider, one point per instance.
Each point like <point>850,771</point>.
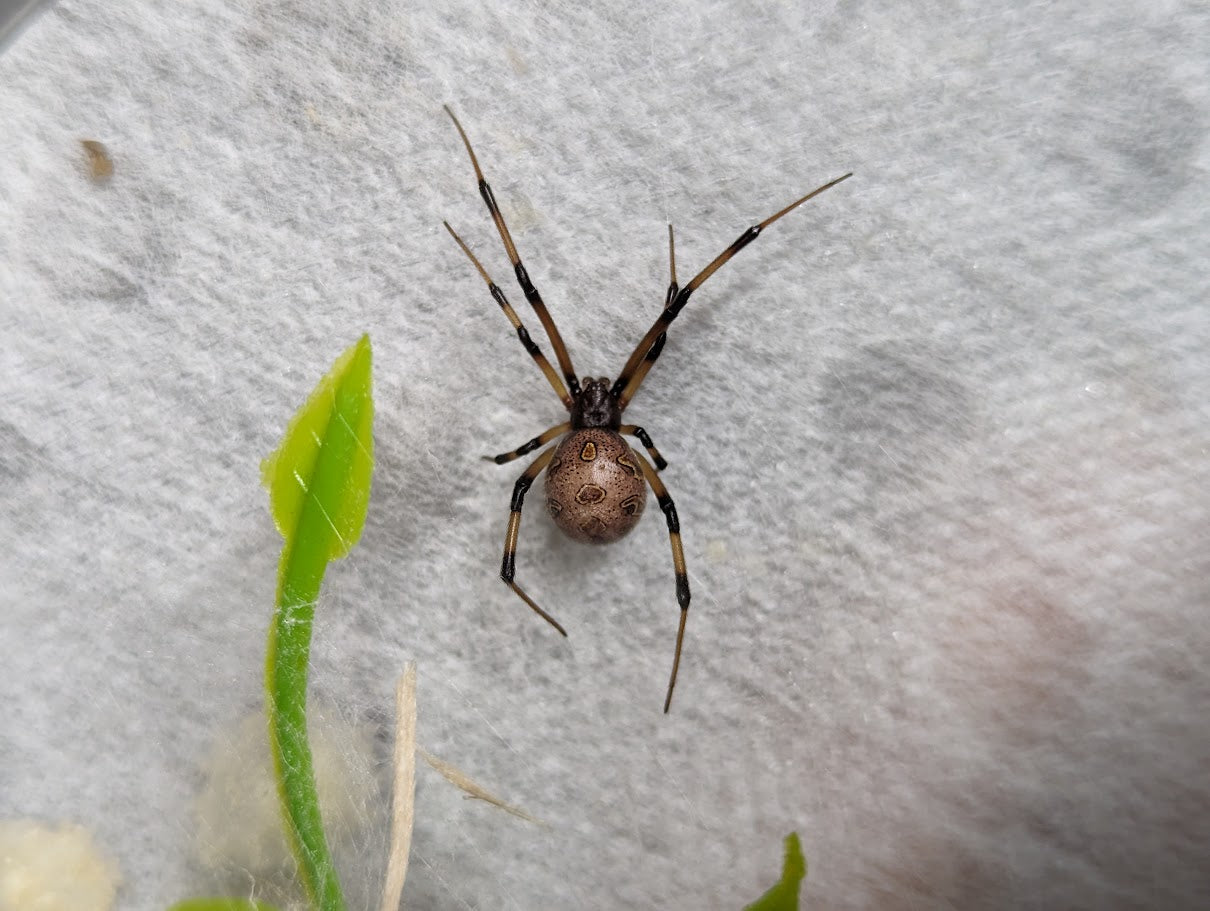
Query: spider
<point>596,485</point>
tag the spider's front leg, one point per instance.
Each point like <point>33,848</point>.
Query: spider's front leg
<point>508,568</point>
<point>644,355</point>
<point>523,279</point>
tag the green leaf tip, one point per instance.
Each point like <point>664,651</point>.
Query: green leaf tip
<point>221,904</point>
<point>326,458</point>
<point>784,895</point>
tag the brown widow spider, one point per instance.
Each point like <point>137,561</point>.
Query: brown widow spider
<point>595,489</point>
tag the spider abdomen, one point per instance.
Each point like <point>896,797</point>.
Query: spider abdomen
<point>595,489</point>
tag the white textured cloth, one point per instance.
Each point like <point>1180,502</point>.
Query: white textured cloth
<point>938,440</point>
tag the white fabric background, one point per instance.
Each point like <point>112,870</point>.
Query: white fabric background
<point>938,440</point>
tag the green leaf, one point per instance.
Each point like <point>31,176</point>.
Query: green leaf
<point>319,477</point>
<point>319,487</point>
<point>784,895</point>
<point>220,904</point>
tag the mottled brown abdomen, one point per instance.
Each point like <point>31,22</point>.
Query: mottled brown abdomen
<point>594,486</point>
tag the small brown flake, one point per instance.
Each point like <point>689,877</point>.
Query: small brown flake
<point>100,165</point>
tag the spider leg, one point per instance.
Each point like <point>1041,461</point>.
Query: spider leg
<point>537,442</point>
<point>531,293</point>
<point>625,385</point>
<point>658,346</point>
<point>678,564</point>
<point>635,430</point>
<point>672,285</point>
<point>641,373</point>
<point>508,568</point>
<point>530,345</point>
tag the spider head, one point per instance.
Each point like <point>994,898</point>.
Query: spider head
<point>595,406</point>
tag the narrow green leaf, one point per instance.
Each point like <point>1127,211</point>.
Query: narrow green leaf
<point>784,895</point>
<point>325,498</point>
<point>319,487</point>
<point>220,904</point>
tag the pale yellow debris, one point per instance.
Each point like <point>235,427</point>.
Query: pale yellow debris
<point>53,868</point>
<point>460,779</point>
<point>404,800</point>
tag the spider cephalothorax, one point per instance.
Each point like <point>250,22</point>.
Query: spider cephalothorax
<point>595,406</point>
<point>596,484</point>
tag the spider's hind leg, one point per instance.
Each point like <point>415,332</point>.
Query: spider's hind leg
<point>678,565</point>
<point>635,430</point>
<point>508,567</point>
